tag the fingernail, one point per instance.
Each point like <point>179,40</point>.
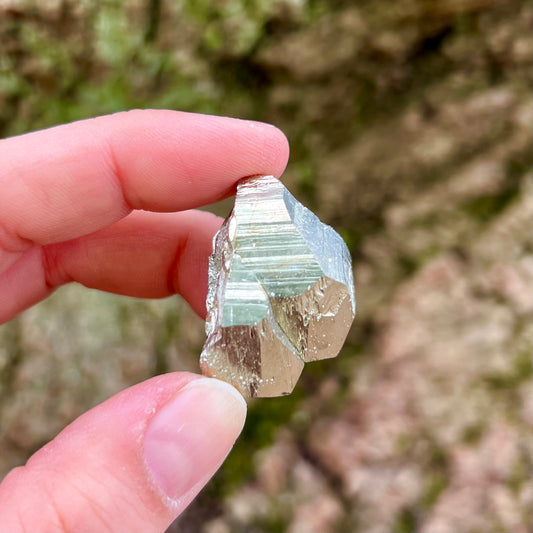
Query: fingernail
<point>189,438</point>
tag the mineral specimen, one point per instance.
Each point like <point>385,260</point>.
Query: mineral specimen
<point>281,291</point>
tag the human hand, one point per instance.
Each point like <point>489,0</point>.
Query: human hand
<point>97,202</point>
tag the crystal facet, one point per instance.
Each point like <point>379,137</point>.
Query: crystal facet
<point>281,291</point>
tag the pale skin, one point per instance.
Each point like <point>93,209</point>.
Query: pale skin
<point>109,203</point>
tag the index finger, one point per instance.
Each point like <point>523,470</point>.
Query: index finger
<point>72,180</point>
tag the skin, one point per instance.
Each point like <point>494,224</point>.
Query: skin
<point>109,203</point>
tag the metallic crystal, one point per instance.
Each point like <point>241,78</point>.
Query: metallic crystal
<point>281,291</point>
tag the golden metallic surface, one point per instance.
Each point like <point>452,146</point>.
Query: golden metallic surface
<point>280,292</point>
<point>317,321</point>
<point>256,360</point>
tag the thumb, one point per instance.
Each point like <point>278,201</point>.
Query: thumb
<point>132,463</point>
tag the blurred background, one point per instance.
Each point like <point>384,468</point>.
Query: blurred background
<point>410,127</point>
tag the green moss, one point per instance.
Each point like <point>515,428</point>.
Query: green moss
<point>404,443</point>
<point>434,487</point>
<point>406,522</point>
<point>164,335</point>
<point>105,68</point>
<point>410,263</point>
<point>521,371</point>
<point>264,418</point>
<point>232,28</point>
<point>519,163</point>
<point>353,237</point>
<point>438,458</point>
<point>116,40</point>
<point>276,521</point>
<point>484,208</point>
<point>520,473</point>
<point>307,183</point>
<point>427,220</point>
<point>13,344</point>
<point>523,365</point>
<point>473,433</point>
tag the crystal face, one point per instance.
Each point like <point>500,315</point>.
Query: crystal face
<point>281,291</point>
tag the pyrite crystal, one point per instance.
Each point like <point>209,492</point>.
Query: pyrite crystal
<point>281,291</point>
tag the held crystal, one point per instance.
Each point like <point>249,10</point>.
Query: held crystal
<point>281,291</point>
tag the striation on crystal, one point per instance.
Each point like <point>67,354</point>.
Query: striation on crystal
<point>281,291</point>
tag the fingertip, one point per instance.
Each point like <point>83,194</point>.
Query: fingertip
<point>189,160</point>
<point>275,148</point>
<point>191,435</point>
<point>132,463</point>
<point>282,152</point>
<point>228,405</point>
<point>233,399</point>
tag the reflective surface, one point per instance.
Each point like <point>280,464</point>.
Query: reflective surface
<point>280,294</point>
